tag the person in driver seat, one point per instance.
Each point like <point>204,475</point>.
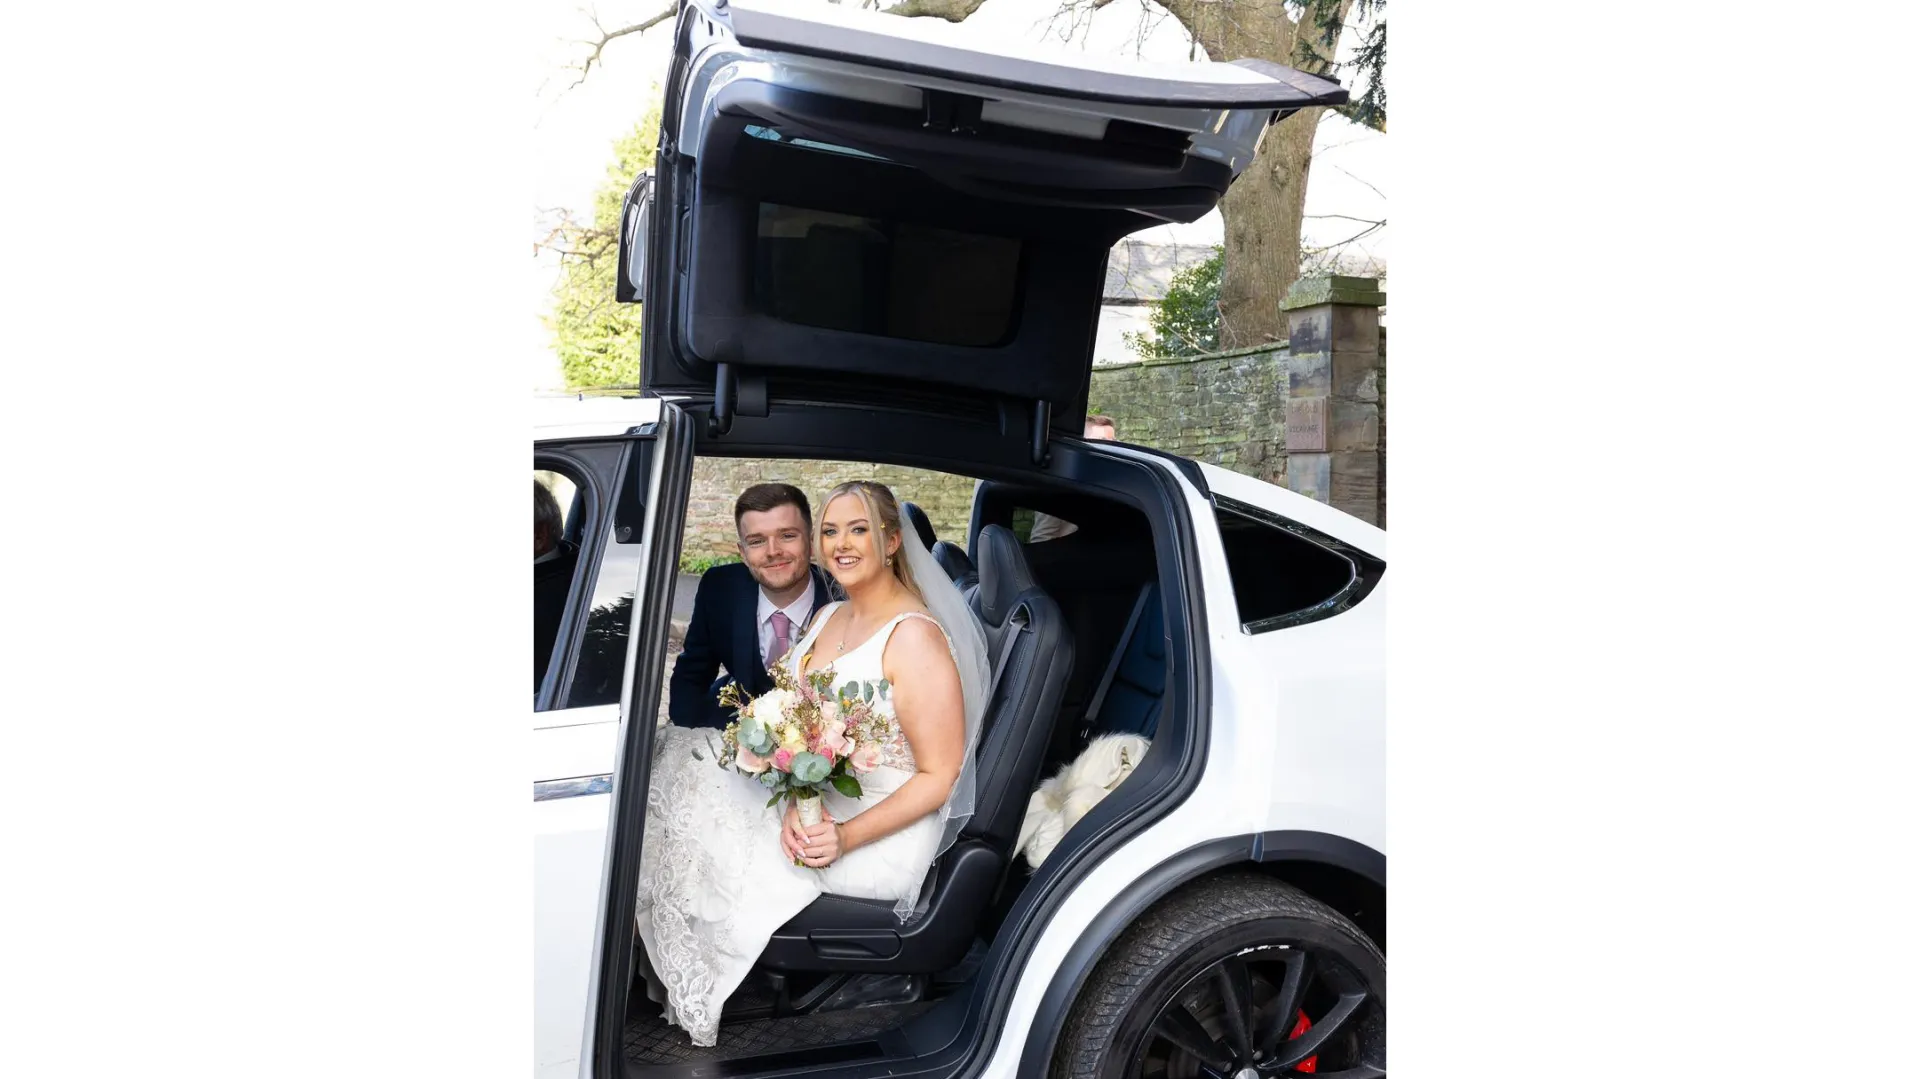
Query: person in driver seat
<point>553,562</point>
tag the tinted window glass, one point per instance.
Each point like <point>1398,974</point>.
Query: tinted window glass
<point>556,561</point>
<point>887,278</point>
<point>1276,573</point>
<point>597,677</point>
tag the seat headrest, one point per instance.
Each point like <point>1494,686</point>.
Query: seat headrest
<point>1004,575</point>
<point>917,519</point>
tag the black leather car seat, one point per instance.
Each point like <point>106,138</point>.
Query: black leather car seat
<point>951,556</point>
<point>1027,637</point>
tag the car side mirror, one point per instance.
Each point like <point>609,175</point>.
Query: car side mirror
<point>636,217</point>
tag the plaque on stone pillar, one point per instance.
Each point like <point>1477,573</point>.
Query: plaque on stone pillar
<point>1307,425</point>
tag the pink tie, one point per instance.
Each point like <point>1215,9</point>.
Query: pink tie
<point>782,636</point>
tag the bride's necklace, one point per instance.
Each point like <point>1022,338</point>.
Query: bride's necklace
<point>845,631</point>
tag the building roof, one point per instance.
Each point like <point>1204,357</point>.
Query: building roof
<point>1140,271</point>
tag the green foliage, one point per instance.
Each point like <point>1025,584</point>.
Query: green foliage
<point>1186,322</point>
<point>598,340</point>
<point>697,564</point>
<point>1364,73</point>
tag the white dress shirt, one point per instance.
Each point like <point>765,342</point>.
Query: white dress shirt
<point>1046,527</point>
<point>799,610</point>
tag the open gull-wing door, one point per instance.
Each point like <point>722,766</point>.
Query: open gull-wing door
<point>859,208</point>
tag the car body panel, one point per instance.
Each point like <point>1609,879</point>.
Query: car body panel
<point>932,47</point>
<point>572,753</point>
<point>1295,739</point>
<point>1298,508</point>
<point>573,417</point>
<point>570,841</point>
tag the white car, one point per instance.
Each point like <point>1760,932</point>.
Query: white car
<point>865,241</point>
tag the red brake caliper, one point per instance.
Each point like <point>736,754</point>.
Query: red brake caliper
<point>1312,1063</point>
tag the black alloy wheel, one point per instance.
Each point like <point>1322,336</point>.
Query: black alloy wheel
<point>1234,977</point>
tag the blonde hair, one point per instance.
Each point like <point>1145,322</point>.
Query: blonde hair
<point>883,510</point>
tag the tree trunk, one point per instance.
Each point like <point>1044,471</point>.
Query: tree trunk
<point>1263,209</point>
<point>1262,213</point>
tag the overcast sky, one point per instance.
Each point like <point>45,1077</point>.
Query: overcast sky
<point>575,126</point>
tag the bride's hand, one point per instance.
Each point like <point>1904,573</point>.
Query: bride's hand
<point>821,843</point>
<point>792,836</point>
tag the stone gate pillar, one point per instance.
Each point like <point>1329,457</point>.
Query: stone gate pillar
<point>1334,419</point>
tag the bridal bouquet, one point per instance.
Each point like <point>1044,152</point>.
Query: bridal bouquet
<point>804,736</point>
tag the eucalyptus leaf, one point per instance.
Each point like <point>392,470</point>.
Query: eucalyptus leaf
<point>809,767</point>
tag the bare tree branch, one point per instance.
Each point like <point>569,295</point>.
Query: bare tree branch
<point>608,36</point>
<point>1375,190</point>
<point>1369,230</point>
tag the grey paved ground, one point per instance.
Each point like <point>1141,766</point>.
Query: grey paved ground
<point>683,589</point>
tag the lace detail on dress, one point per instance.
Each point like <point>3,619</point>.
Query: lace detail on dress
<point>674,866</point>
<point>714,883</point>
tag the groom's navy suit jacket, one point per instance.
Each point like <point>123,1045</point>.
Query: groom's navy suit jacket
<point>725,632</point>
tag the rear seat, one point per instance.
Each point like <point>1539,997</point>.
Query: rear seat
<point>1128,697</point>
<point>959,568</point>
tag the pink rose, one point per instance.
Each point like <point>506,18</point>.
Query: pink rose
<point>833,737</point>
<point>748,761</point>
<point>829,710</point>
<point>864,758</point>
<point>783,759</point>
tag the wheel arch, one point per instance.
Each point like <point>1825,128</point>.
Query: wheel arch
<point>1340,872</point>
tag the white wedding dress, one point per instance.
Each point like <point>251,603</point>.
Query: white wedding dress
<point>714,880</point>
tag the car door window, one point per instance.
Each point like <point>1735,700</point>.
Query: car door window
<point>598,674</point>
<point>1283,573</point>
<point>584,589</point>
<point>556,561</point>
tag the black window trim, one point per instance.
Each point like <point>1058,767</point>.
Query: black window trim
<point>1365,570</point>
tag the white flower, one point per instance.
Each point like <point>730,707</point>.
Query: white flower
<point>770,708</point>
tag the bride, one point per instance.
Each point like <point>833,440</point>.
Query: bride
<point>717,868</point>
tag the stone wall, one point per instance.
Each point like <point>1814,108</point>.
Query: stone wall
<point>717,481</point>
<point>1224,409</point>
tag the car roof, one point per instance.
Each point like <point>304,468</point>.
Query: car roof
<point>1296,507</point>
<point>557,416</point>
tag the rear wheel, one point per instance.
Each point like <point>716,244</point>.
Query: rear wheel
<point>1233,977</point>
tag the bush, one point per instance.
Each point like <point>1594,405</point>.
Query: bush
<point>1187,321</point>
<point>598,340</point>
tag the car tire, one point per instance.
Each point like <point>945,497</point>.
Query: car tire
<point>1158,1003</point>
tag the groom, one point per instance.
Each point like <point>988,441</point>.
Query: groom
<point>746,616</point>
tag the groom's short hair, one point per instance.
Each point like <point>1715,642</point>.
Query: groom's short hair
<point>762,497</point>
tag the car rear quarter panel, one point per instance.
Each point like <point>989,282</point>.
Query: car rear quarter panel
<point>1294,741</point>
<point>1304,707</point>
